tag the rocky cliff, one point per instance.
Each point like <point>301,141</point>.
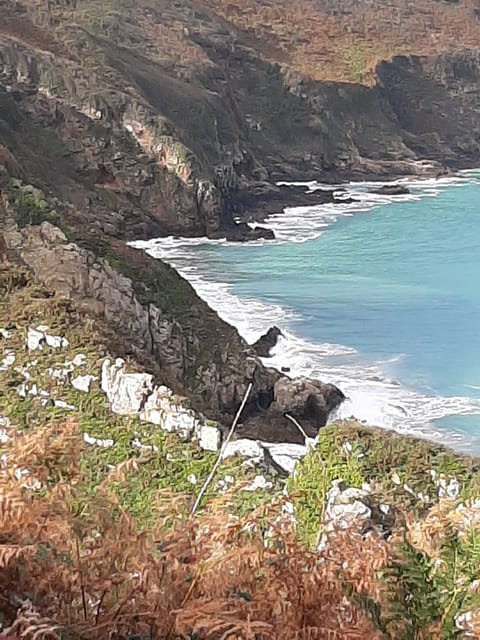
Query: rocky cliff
<point>156,118</point>
<point>132,120</point>
<point>143,310</point>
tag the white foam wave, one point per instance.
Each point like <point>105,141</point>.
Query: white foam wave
<point>373,396</point>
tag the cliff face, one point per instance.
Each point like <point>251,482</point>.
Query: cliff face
<point>143,310</point>
<point>163,118</point>
<point>132,120</point>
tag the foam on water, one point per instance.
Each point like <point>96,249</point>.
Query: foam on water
<point>372,395</point>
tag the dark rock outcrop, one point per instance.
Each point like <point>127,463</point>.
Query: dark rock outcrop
<point>144,144</point>
<point>308,401</point>
<point>243,232</point>
<point>391,190</point>
<point>265,343</point>
<point>145,310</point>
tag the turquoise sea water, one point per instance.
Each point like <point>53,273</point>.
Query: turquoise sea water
<point>381,297</point>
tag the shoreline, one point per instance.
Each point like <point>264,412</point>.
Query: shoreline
<point>375,383</point>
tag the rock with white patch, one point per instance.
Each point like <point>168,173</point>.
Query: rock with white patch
<point>183,423</point>
<point>61,404</point>
<point>126,392</point>
<point>61,375</point>
<point>38,338</point>
<point>35,339</point>
<point>79,360</point>
<point>286,455</point>
<point>98,442</point>
<point>209,437</point>
<point>8,360</point>
<point>259,483</point>
<point>6,334</point>
<point>83,383</point>
<point>347,507</point>
<point>245,449</point>
<point>144,447</point>
<point>22,390</point>
<point>450,490</point>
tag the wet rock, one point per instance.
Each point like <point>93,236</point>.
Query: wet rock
<point>391,190</point>
<point>267,342</point>
<point>243,232</point>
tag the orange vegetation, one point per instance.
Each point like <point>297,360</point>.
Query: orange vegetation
<point>76,566</point>
<point>344,40</point>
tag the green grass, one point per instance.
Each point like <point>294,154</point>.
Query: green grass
<point>28,209</point>
<point>167,468</point>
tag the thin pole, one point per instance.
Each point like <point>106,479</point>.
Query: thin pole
<point>220,455</point>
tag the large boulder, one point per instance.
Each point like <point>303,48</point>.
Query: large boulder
<point>306,400</point>
<point>309,402</point>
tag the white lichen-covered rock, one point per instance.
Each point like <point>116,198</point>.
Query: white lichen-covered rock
<point>144,447</point>
<point>126,392</point>
<point>61,375</point>
<point>38,338</point>
<point>259,482</point>
<point>245,449</point>
<point>35,339</point>
<point>22,390</point>
<point>61,404</point>
<point>449,490</point>
<point>157,404</point>
<point>286,455</point>
<point>183,423</point>
<point>98,442</point>
<point>8,360</point>
<point>79,360</point>
<point>209,437</point>
<point>83,383</point>
<point>347,507</point>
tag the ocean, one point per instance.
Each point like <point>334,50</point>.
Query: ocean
<point>380,297</point>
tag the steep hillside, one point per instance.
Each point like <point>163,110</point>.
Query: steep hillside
<point>155,118</point>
